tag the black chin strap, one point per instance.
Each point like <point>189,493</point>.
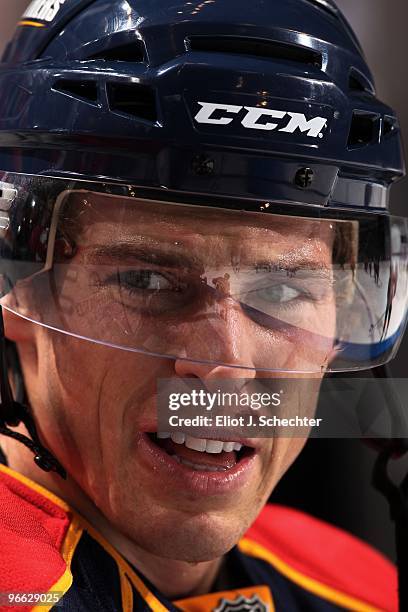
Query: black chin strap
<point>13,413</point>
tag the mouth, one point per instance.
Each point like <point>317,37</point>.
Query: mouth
<point>196,465</point>
<point>202,454</point>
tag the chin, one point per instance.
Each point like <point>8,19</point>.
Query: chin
<point>194,539</point>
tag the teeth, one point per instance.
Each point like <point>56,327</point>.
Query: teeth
<point>200,445</point>
<point>178,437</point>
<point>196,444</point>
<point>214,446</point>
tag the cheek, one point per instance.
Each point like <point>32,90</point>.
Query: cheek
<point>92,395</point>
<point>103,382</point>
<point>289,449</point>
<point>90,406</point>
<point>301,399</point>
<point>284,452</point>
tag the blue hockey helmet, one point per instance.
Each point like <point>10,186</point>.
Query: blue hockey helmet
<point>179,178</point>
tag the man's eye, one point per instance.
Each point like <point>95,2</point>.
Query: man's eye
<point>279,294</point>
<point>143,280</point>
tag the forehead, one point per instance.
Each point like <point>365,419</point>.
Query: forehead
<point>110,228</point>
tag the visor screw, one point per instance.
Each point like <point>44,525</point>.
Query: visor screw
<point>304,178</point>
<point>202,165</point>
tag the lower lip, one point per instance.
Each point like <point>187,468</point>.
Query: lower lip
<point>170,473</point>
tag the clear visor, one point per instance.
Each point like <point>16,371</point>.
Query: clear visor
<point>284,291</point>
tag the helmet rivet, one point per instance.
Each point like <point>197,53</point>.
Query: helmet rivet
<point>304,177</point>
<point>203,165</point>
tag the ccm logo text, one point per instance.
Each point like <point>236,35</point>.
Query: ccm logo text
<point>261,119</point>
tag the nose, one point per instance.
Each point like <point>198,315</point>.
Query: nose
<point>186,369</point>
<point>219,347</point>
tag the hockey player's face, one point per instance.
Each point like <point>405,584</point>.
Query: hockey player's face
<point>97,405</point>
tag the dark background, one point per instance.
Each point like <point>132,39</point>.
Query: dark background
<point>331,479</point>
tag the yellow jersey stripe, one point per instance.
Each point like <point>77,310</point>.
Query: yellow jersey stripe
<point>126,592</point>
<point>254,549</point>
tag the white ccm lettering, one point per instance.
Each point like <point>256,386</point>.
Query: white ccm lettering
<point>45,10</point>
<point>204,114</point>
<point>253,114</point>
<point>298,121</point>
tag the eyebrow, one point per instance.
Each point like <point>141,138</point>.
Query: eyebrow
<point>292,261</point>
<point>293,264</point>
<point>124,251</point>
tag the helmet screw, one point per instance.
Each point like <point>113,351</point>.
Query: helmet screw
<point>203,165</point>
<point>304,177</point>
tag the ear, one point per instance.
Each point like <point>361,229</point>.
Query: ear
<point>16,328</point>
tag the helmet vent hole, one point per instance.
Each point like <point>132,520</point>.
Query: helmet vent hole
<point>364,130</point>
<point>254,47</point>
<point>83,90</point>
<point>131,52</point>
<point>390,125</point>
<point>133,99</point>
